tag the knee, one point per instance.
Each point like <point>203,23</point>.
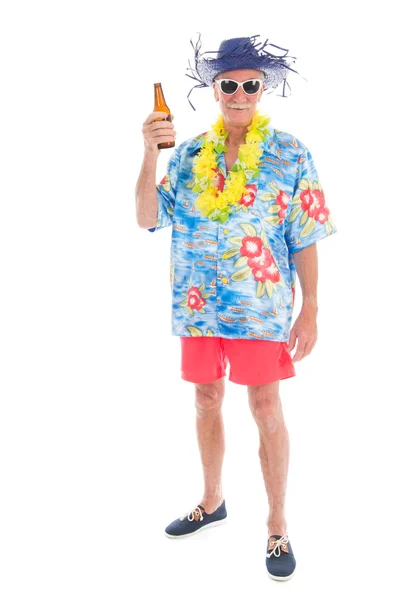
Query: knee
<point>209,397</point>
<point>266,410</point>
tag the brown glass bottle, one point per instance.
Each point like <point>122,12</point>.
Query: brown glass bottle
<point>161,106</point>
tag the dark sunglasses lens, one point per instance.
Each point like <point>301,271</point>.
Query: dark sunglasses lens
<point>251,87</point>
<point>228,86</point>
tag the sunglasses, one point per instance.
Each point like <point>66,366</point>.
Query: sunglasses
<point>230,86</point>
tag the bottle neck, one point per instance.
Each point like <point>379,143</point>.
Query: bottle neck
<point>159,100</point>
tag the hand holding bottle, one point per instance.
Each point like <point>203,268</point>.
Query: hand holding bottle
<point>157,130</point>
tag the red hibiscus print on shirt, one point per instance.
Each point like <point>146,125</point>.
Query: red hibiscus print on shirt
<point>322,215</point>
<point>255,261</point>
<point>166,183</point>
<point>271,273</point>
<point>261,262</point>
<point>260,274</point>
<point>251,246</point>
<point>220,180</point>
<point>249,196</point>
<point>282,200</point>
<point>313,201</point>
<point>195,300</point>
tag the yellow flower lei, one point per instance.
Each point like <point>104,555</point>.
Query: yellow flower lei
<point>211,202</point>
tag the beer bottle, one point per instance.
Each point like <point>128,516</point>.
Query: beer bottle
<point>161,105</point>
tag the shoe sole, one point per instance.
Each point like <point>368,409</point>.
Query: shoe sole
<point>213,524</point>
<point>281,578</point>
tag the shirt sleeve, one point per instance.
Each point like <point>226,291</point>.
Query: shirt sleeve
<point>309,219</point>
<point>166,192</point>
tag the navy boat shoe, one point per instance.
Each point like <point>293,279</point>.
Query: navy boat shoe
<point>195,520</point>
<point>280,560</point>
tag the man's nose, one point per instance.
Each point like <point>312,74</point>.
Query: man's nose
<point>240,95</point>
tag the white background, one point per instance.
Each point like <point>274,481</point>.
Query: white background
<point>97,429</point>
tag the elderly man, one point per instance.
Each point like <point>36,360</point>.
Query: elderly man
<point>246,209</point>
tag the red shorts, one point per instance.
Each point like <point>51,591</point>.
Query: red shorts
<point>252,362</point>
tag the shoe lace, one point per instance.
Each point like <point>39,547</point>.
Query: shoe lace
<point>277,546</point>
<point>191,514</point>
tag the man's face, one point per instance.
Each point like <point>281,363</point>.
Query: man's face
<point>229,105</point>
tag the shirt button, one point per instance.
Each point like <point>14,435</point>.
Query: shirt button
<point>224,280</point>
<point>226,231</point>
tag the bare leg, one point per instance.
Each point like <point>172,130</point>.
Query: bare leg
<point>211,440</point>
<point>266,407</point>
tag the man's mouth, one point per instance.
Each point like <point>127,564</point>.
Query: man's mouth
<point>239,107</point>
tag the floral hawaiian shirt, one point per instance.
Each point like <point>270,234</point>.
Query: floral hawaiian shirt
<point>237,279</point>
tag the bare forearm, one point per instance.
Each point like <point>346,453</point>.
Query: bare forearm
<point>146,193</point>
<point>306,262</point>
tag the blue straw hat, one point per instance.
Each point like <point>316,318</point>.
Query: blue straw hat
<point>241,53</point>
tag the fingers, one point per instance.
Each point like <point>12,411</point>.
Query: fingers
<point>157,130</point>
<point>299,350</point>
<point>158,119</point>
<point>304,347</point>
<point>164,127</point>
<point>155,115</point>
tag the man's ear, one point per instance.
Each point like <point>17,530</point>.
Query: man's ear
<point>215,91</point>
